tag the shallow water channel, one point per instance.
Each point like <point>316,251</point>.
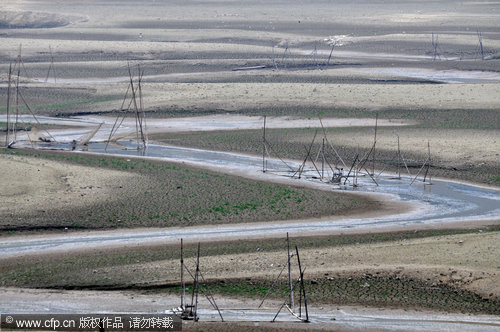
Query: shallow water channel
<point>441,202</point>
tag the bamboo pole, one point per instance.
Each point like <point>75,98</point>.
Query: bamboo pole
<point>272,285</point>
<point>34,116</point>
<point>421,168</point>
<point>406,165</point>
<point>290,283</point>
<point>8,107</point>
<point>297,282</point>
<point>197,284</point>
<point>352,166</point>
<point>302,285</point>
<point>330,56</point>
<point>116,121</point>
<point>374,144</point>
<point>481,49</point>
<point>334,150</point>
<point>14,129</point>
<point>323,159</point>
<point>428,163</point>
<point>51,66</point>
<point>210,297</point>
<point>143,114</point>
<point>264,147</point>
<point>274,59</point>
<point>138,127</point>
<point>279,157</point>
<point>21,62</point>
<point>284,55</point>
<point>314,164</point>
<point>301,167</point>
<point>183,284</point>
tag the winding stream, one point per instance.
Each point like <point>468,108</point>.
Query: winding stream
<point>441,202</point>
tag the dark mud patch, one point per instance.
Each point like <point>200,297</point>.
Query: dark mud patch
<point>368,290</point>
<point>377,291</point>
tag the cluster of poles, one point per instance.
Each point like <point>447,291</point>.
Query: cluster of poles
<point>188,309</point>
<point>338,172</point>
<point>16,103</point>
<point>437,51</point>
<point>133,97</point>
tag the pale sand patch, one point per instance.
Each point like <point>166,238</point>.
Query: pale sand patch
<point>33,46</point>
<point>438,18</point>
<point>235,96</point>
<point>240,122</point>
<point>469,261</point>
<point>448,38</point>
<point>464,146</point>
<point>31,184</point>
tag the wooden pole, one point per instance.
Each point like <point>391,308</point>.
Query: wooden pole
<point>301,168</point>
<point>34,116</point>
<point>51,66</point>
<point>480,37</point>
<point>113,131</point>
<point>315,53</point>
<point>352,166</point>
<point>399,160</point>
<point>355,184</point>
<point>428,162</point>
<point>21,62</point>
<point>210,297</point>
<point>8,106</point>
<point>17,104</point>
<point>283,57</point>
<point>314,164</point>
<point>302,285</point>
<point>323,159</point>
<point>429,151</point>
<point>144,132</point>
<point>139,111</point>
<point>374,144</point>
<point>290,283</point>
<point>196,281</point>
<point>274,59</point>
<point>334,150</point>
<point>183,284</point>
<point>330,56</point>
<point>138,121</point>
<point>420,170</point>
<point>135,105</point>
<point>270,288</point>
<point>264,147</point>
